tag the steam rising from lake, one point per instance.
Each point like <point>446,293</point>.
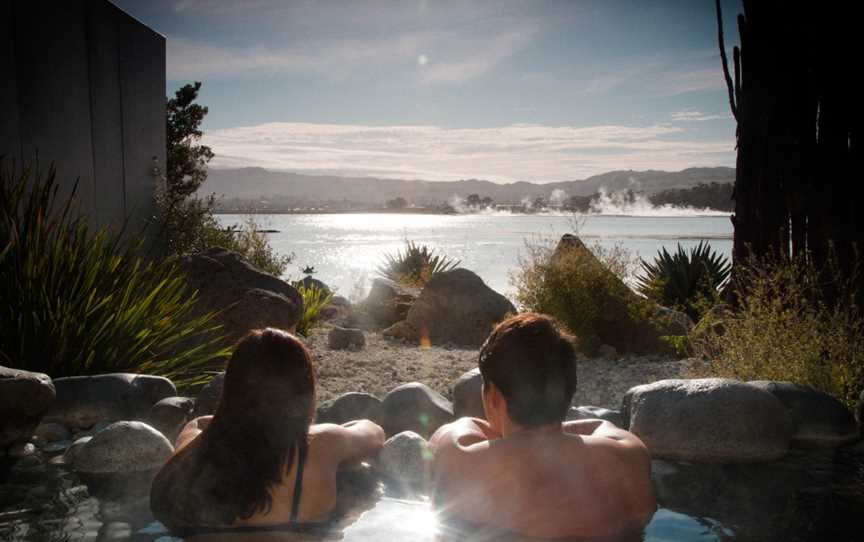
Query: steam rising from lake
<point>623,204</point>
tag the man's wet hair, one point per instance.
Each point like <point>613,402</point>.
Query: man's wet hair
<point>533,362</point>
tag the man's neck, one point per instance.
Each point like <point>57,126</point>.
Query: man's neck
<point>513,429</point>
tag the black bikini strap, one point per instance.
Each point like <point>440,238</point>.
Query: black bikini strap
<point>298,481</point>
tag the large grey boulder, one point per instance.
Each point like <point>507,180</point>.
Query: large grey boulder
<point>24,397</point>
<point>674,322</point>
<point>388,301</point>
<point>123,447</point>
<point>405,459</point>
<point>169,415</point>
<point>594,413</point>
<point>415,407</point>
<point>350,406</point>
<point>468,395</point>
<point>342,338</point>
<point>819,419</point>
<point>245,297</point>
<point>712,419</point>
<point>456,307</point>
<point>84,401</point>
<point>209,396</point>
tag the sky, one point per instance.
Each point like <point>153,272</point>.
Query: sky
<point>502,90</point>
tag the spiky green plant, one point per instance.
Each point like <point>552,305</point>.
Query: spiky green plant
<point>314,299</point>
<point>415,265</point>
<point>78,301</point>
<point>684,280</point>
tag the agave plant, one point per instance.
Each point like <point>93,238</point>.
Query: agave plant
<point>76,301</point>
<point>314,299</point>
<point>415,265</point>
<point>682,279</point>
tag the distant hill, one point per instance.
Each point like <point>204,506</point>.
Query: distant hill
<point>296,189</point>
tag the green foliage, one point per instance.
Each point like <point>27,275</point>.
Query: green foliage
<point>75,301</point>
<point>683,281</point>
<point>713,195</point>
<point>186,167</point>
<point>415,265</point>
<point>785,329</point>
<point>585,290</point>
<point>314,299</point>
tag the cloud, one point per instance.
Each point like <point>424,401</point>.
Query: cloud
<point>507,153</point>
<point>696,116</point>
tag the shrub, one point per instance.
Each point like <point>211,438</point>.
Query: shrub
<point>683,281</point>
<point>77,301</point>
<point>314,299</point>
<point>585,290</point>
<point>416,265</point>
<point>783,329</point>
<point>188,226</point>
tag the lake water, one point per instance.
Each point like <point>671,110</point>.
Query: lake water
<point>346,249</point>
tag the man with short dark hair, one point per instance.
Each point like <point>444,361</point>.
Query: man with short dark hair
<point>524,469</point>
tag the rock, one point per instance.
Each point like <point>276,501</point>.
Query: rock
<point>51,432</point>
<point>123,447</point>
<point>859,409</point>
<point>21,450</point>
<point>339,301</point>
<point>401,330</point>
<point>674,322</point>
<point>169,415</point>
<point>468,395</point>
<point>341,338</point>
<point>209,396</point>
<point>245,297</point>
<point>350,406</point>
<point>57,446</point>
<point>83,401</point>
<point>606,351</point>
<point>710,419</point>
<point>72,451</point>
<point>405,458</point>
<point>24,397</point>
<point>415,407</point>
<point>594,413</point>
<point>388,301</point>
<point>819,419</point>
<point>457,307</point>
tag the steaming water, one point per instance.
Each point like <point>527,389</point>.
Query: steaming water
<point>346,249</point>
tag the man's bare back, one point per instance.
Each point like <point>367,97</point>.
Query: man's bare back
<point>585,478</point>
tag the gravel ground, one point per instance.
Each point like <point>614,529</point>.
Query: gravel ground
<point>385,363</point>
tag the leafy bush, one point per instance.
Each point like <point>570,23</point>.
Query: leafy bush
<point>75,301</point>
<point>416,265</point>
<point>314,299</point>
<point>783,329</point>
<point>683,281</point>
<point>188,226</point>
<point>585,290</point>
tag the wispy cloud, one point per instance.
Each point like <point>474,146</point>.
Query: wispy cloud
<point>696,116</point>
<point>508,153</point>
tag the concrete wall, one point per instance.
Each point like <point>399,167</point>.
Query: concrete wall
<point>82,85</point>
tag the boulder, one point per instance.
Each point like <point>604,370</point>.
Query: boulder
<point>859,409</point>
<point>341,338</point>
<point>468,395</point>
<point>819,420</point>
<point>75,449</point>
<point>52,432</point>
<point>606,351</point>
<point>169,415</point>
<point>710,419</point>
<point>401,330</point>
<point>350,406</point>
<point>674,322</point>
<point>83,401</point>
<point>123,447</point>
<point>209,396</point>
<point>24,397</point>
<point>311,282</point>
<point>388,301</point>
<point>594,413</point>
<point>457,307</point>
<point>405,458</point>
<point>415,407</point>
<point>245,297</point>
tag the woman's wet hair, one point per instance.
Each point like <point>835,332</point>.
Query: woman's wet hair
<point>532,361</point>
<point>263,418</point>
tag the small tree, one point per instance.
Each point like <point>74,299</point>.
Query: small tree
<point>397,203</point>
<point>473,200</point>
<point>186,168</point>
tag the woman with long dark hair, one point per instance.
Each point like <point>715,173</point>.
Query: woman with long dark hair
<point>257,462</point>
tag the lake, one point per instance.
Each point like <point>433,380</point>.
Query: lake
<point>346,249</point>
